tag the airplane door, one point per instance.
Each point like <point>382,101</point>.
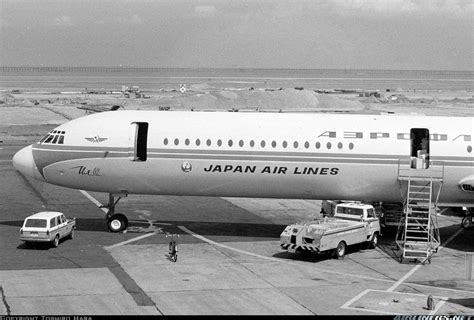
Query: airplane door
<point>138,136</point>
<point>419,148</point>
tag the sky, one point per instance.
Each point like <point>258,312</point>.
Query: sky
<point>309,34</point>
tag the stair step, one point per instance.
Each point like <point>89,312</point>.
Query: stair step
<point>417,239</point>
<point>413,251</point>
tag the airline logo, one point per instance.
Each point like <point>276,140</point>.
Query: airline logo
<point>96,139</point>
<point>186,167</point>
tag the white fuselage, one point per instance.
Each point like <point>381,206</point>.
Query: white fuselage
<point>236,154</point>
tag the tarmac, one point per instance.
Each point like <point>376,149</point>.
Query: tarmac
<point>229,260</point>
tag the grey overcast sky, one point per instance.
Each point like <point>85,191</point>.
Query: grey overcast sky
<point>355,34</point>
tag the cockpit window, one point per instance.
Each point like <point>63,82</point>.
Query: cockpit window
<point>49,139</point>
<point>54,137</point>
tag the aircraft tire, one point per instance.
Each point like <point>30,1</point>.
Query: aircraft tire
<point>340,250</point>
<point>118,222</point>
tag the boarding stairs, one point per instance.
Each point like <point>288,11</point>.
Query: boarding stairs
<point>418,234</point>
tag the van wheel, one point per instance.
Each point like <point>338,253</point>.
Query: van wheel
<point>340,250</point>
<point>373,241</point>
<point>56,241</point>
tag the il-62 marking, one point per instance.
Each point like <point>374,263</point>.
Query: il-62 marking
<point>84,171</point>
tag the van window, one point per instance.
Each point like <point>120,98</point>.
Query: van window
<point>52,223</point>
<point>35,223</point>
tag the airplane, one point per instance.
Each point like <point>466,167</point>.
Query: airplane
<point>254,154</point>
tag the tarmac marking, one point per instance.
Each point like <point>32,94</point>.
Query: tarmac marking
<point>363,293</point>
<point>130,240</point>
<point>274,259</point>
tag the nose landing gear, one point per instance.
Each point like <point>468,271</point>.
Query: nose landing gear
<point>116,222</point>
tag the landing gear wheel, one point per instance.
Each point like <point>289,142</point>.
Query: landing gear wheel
<point>373,241</point>
<point>117,222</point>
<point>56,241</point>
<point>340,250</point>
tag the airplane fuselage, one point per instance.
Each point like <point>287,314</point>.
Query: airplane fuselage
<point>268,155</point>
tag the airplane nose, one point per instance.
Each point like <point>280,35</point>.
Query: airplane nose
<point>23,161</point>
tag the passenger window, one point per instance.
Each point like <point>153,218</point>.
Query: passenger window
<point>295,144</point>
<point>208,142</point>
<point>186,142</point>
<point>219,142</point>
<point>241,143</point>
<point>351,146</point>
<point>176,141</point>
<point>58,220</point>
<point>318,145</point>
<point>230,143</point>
<point>252,143</point>
<point>306,144</point>
<point>274,144</point>
<point>285,144</point>
<point>52,223</point>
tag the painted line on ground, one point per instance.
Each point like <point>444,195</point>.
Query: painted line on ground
<point>363,293</point>
<point>275,259</point>
<point>357,297</point>
<point>130,241</point>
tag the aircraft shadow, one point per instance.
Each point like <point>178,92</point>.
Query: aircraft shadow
<point>254,232</point>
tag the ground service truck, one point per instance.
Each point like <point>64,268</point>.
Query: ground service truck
<point>352,223</point>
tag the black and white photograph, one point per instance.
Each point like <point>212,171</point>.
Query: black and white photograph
<point>236,157</point>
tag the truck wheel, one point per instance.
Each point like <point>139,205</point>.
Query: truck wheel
<point>467,221</point>
<point>71,235</point>
<point>56,241</point>
<point>374,241</point>
<point>340,250</point>
<point>117,223</point>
